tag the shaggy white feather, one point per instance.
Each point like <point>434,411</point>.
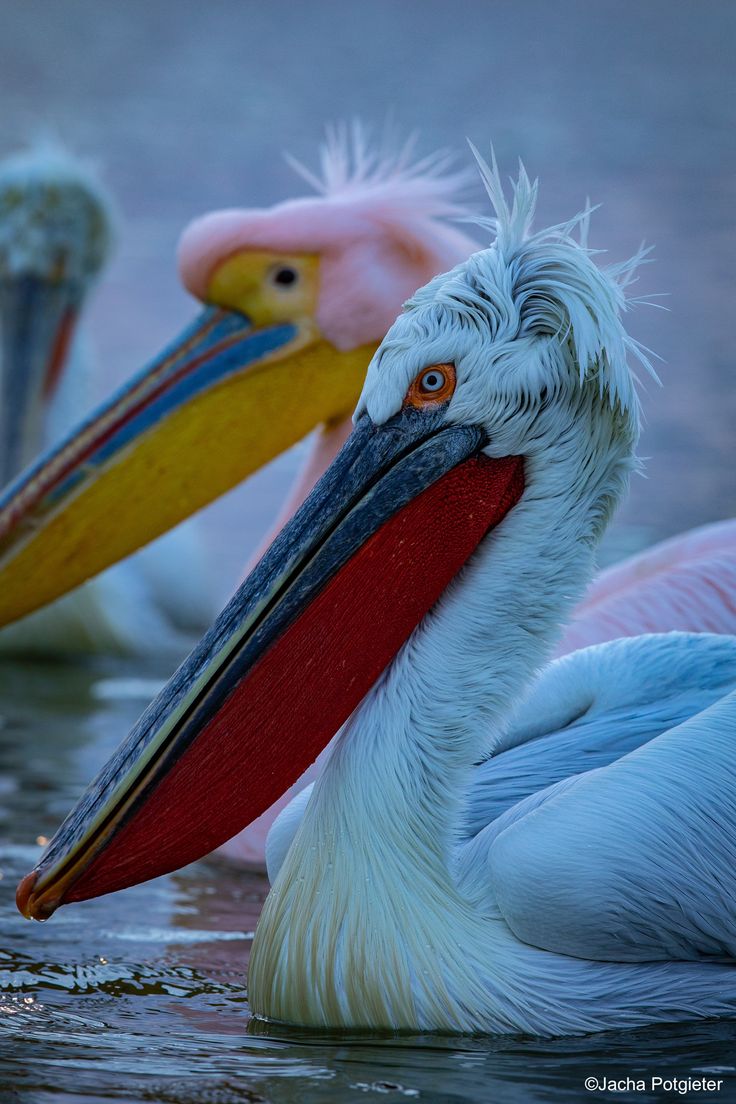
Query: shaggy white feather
<point>529,309</point>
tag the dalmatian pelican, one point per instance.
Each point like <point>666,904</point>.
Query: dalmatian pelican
<point>410,605</point>
<point>56,232</point>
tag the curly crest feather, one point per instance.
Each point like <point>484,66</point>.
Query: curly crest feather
<point>545,285</point>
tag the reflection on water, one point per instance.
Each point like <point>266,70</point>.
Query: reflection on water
<point>140,996</point>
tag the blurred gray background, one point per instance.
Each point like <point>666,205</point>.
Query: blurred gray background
<point>187,106</point>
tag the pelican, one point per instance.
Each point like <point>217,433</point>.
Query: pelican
<point>56,231</point>
<point>411,604</point>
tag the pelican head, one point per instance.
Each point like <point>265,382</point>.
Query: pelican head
<point>494,435</point>
<point>296,299</point>
<point>55,236</point>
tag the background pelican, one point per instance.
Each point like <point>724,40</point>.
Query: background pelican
<point>414,596</point>
<point>280,349</point>
<point>56,231</point>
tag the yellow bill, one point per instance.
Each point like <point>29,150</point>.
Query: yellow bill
<point>228,395</point>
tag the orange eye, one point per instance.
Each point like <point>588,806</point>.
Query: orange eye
<point>432,386</point>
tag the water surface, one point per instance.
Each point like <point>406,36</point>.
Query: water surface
<point>141,996</point>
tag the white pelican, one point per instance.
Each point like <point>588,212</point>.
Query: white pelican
<point>411,600</point>
<point>298,297</point>
<point>56,230</point>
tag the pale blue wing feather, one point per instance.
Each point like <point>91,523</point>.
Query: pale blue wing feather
<point>633,861</point>
<point>596,705</point>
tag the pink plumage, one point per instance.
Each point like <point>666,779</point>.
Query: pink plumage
<point>377,225</point>
<point>687,583</point>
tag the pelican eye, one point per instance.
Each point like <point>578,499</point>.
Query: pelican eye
<point>284,276</point>
<point>433,380</point>
<point>433,385</point>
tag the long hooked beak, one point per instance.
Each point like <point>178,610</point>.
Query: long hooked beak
<point>37,317</point>
<point>342,587</point>
<point>217,404</point>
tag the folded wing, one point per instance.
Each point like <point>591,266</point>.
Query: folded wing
<point>632,861</point>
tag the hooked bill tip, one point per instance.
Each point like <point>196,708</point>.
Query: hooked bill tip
<point>23,894</point>
<point>30,908</point>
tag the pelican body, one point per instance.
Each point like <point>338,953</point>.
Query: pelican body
<point>411,604</point>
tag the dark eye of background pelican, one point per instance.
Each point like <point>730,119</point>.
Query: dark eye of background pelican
<point>285,276</point>
<point>433,380</point>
